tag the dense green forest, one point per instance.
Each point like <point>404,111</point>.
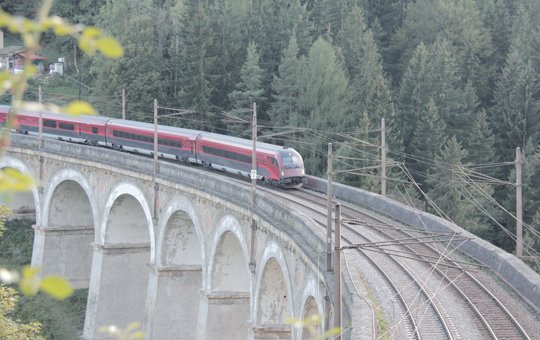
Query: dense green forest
<point>457,82</point>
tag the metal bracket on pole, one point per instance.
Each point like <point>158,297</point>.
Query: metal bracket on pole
<point>254,225</point>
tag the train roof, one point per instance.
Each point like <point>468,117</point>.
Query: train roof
<point>85,119</point>
<point>150,127</point>
<point>239,142</point>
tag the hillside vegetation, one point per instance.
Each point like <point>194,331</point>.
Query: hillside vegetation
<point>457,82</point>
<point>60,320</point>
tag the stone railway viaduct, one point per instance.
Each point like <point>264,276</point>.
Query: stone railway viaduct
<point>180,263</point>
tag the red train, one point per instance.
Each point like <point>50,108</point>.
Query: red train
<point>276,165</point>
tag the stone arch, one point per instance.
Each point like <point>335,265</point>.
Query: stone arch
<point>120,273</point>
<point>70,195</point>
<point>173,292</point>
<point>225,305</point>
<point>21,198</point>
<point>180,212</point>
<point>273,285</point>
<point>228,234</point>
<point>62,242</point>
<point>311,305</point>
<point>120,210</point>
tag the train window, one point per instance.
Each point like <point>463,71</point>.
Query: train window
<point>227,154</point>
<point>66,126</point>
<point>264,162</point>
<point>94,130</point>
<point>49,123</point>
<point>87,129</point>
<point>185,145</point>
<point>274,161</point>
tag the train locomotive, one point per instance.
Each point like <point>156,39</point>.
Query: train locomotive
<point>276,165</point>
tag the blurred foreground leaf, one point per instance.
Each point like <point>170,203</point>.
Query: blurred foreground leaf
<point>12,180</point>
<point>56,286</point>
<point>78,108</point>
<point>110,47</point>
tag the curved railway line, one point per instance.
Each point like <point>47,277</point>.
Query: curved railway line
<point>491,318</point>
<point>421,314</point>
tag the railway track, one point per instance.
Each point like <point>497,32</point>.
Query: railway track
<point>491,318</point>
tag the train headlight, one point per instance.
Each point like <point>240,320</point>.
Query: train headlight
<point>303,172</point>
<point>282,173</point>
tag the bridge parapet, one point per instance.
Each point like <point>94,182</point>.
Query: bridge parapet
<point>511,269</point>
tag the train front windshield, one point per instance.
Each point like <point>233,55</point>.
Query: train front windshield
<point>291,159</point>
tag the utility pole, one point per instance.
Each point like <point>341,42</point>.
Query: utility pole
<point>253,188</point>
<point>40,142</point>
<point>519,205</point>
<point>383,157</point>
<point>124,104</point>
<point>337,272</point>
<point>80,84</point>
<point>155,157</point>
<point>328,231</point>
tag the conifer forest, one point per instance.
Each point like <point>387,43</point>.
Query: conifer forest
<point>457,82</point>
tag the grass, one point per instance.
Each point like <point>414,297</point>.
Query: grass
<point>381,321</point>
<point>61,320</point>
<point>16,244</point>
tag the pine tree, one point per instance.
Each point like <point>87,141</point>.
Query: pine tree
<point>448,190</point>
<point>497,16</point>
<point>355,156</point>
<point>228,48</point>
<point>516,114</point>
<point>429,137</point>
<point>249,91</point>
<point>525,33</point>
<point>285,86</point>
<point>457,21</point>
<point>447,93</point>
<point>414,94</point>
<point>198,76</point>
<point>322,104</point>
<point>327,16</point>
<point>368,88</point>
<point>137,71</point>
<point>173,63</point>
<point>279,19</point>
<point>480,144</point>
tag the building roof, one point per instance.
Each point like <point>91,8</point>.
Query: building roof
<point>11,50</point>
<point>32,56</point>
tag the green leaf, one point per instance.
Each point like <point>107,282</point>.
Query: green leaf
<point>78,108</point>
<point>56,286</point>
<point>110,47</point>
